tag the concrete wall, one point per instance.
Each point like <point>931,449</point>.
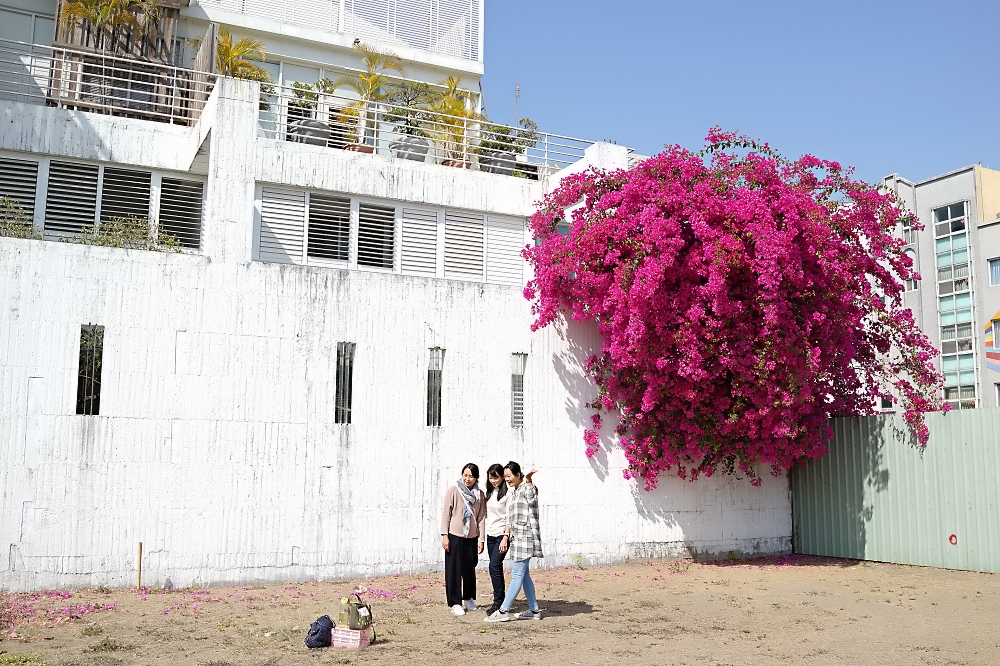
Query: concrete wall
<point>216,445</point>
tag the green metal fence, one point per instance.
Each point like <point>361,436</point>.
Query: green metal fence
<point>877,496</point>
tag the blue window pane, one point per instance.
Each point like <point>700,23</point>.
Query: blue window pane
<point>946,302</point>
<point>944,259</point>
<point>943,244</point>
<point>960,256</point>
<point>962,316</point>
<point>965,361</point>
<point>994,272</point>
<point>963,300</point>
<point>949,363</point>
<point>950,378</point>
<point>967,377</point>
<point>947,317</point>
<point>958,241</point>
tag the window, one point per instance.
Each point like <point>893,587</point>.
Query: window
<point>345,382</point>
<point>886,404</point>
<point>17,181</point>
<point>949,219</point>
<point>463,245</point>
<point>180,210</point>
<point>517,365</point>
<point>419,242</point>
<point>505,240</point>
<point>955,305</point>
<point>88,387</point>
<point>71,200</point>
<point>994,272</point>
<point>434,373</point>
<point>376,235</point>
<point>909,233</point>
<point>329,227</point>
<point>909,284</point>
<point>959,380</point>
<point>125,193</point>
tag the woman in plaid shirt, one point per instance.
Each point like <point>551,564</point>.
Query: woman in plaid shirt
<point>525,542</point>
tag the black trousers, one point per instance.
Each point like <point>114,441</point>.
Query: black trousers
<point>496,568</point>
<point>460,569</point>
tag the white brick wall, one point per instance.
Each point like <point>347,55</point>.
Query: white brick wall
<point>216,445</point>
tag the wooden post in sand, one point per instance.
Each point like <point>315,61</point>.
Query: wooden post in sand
<point>138,577</point>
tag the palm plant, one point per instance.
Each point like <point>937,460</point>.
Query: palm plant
<point>371,85</point>
<point>452,114</point>
<point>236,59</point>
<point>107,17</point>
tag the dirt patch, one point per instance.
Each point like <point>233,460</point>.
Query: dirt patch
<point>775,610</point>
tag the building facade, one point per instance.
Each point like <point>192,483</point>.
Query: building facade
<point>957,254</point>
<point>290,395</point>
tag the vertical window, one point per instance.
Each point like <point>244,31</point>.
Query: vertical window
<point>376,235</point>
<point>88,387</point>
<point>909,233</point>
<point>434,370</point>
<point>517,365</point>
<point>71,202</point>
<point>329,227</point>
<point>345,379</point>
<point>886,404</point>
<point>911,285</point>
<point>463,245</point>
<point>951,247</point>
<point>994,272</point>
<point>180,210</point>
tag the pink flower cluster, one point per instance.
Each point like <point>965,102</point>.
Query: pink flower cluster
<point>743,299</point>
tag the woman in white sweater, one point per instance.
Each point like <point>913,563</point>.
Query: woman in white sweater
<point>497,541</point>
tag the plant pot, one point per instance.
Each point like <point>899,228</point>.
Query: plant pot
<point>459,164</point>
<point>410,148</point>
<point>496,161</point>
<point>359,148</point>
<point>307,130</point>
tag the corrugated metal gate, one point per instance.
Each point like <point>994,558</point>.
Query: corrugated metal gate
<point>876,496</point>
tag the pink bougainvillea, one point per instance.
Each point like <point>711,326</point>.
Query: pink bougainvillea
<point>743,299</point>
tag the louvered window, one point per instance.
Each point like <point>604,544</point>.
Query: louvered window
<point>282,223</point>
<point>376,235</point>
<point>435,369</point>
<point>463,245</point>
<point>124,194</point>
<point>329,228</point>
<point>180,210</point>
<point>518,362</point>
<point>345,382</point>
<point>88,386</point>
<point>71,201</point>
<point>419,242</point>
<point>504,240</point>
<point>17,181</point>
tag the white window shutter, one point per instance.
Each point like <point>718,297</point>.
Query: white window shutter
<point>329,227</point>
<point>376,235</point>
<point>282,225</point>
<point>71,201</point>
<point>463,245</point>
<point>504,242</point>
<point>124,193</point>
<point>419,242</point>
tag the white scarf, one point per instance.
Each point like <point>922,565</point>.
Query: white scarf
<point>471,496</point>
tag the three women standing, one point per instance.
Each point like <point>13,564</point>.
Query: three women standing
<point>463,534</point>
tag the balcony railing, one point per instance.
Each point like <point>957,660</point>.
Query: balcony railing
<point>92,81</point>
<point>413,133</point>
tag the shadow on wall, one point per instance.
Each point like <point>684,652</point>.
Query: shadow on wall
<point>581,340</point>
<point>833,498</point>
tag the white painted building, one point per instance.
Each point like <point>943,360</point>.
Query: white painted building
<point>268,402</point>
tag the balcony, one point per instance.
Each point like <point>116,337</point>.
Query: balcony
<point>418,134</point>
<point>88,80</point>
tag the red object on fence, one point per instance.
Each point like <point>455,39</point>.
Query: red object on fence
<point>953,540</point>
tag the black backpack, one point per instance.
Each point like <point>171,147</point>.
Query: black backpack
<point>319,635</point>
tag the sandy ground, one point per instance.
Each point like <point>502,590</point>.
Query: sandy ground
<point>798,610</point>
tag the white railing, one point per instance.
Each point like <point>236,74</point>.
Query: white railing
<point>450,27</point>
<point>413,133</point>
<point>92,81</point>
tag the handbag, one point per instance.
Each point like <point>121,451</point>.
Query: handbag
<point>319,635</point>
<point>360,616</point>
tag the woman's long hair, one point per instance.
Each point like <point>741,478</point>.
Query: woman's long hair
<point>496,469</point>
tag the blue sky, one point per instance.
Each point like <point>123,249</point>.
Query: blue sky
<point>910,87</point>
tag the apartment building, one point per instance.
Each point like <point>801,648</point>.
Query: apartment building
<point>289,395</point>
<point>957,254</point>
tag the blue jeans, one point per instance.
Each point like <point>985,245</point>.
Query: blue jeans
<point>496,568</point>
<point>520,577</point>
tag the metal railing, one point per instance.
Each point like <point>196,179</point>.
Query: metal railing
<point>92,81</point>
<point>413,133</point>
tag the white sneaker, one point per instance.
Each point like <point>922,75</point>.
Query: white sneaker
<point>530,615</point>
<point>499,616</point>
<point>457,610</point>
<point>470,605</point>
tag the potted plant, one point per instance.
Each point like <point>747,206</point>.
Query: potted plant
<point>449,123</point>
<point>500,146</point>
<point>370,86</point>
<point>407,106</point>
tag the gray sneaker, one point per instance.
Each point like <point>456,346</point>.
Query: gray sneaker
<point>499,616</point>
<point>530,615</point>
